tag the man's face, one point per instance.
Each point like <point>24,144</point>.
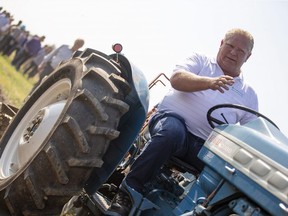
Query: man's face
<point>232,54</point>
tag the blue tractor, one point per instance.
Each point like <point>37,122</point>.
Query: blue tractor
<point>68,148</point>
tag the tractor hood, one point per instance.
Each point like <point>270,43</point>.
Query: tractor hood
<point>253,157</point>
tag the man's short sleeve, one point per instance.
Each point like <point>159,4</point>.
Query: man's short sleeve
<point>193,63</point>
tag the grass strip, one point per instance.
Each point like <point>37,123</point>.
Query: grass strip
<point>14,84</point>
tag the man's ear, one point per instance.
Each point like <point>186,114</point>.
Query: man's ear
<point>221,42</point>
<point>248,56</point>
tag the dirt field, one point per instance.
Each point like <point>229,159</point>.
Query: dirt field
<point>2,97</point>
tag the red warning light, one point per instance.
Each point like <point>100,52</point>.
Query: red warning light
<point>117,47</point>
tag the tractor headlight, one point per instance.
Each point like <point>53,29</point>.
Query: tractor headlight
<point>222,146</point>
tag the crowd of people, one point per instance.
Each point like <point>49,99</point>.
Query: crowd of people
<point>29,52</point>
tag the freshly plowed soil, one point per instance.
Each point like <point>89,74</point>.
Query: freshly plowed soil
<point>2,96</point>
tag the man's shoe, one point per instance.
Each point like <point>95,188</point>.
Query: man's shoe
<point>121,203</point>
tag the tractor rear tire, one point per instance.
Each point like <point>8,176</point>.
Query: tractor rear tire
<point>60,135</point>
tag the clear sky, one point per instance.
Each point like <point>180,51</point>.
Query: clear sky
<point>156,34</point>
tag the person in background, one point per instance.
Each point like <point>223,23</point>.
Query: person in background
<point>31,68</point>
<point>54,58</point>
<point>10,38</point>
<point>179,127</point>
<point>5,22</point>
<point>19,43</point>
<point>29,50</point>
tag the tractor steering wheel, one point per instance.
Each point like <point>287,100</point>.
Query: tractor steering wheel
<point>212,120</point>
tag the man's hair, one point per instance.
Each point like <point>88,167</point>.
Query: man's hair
<point>239,31</point>
<point>79,42</point>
